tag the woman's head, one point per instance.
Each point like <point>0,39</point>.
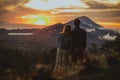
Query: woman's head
<point>67,29</point>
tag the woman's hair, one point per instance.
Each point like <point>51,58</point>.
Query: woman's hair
<point>67,30</point>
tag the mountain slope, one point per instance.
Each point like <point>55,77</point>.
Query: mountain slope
<point>95,33</point>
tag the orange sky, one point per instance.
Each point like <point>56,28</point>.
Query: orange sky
<point>48,12</point>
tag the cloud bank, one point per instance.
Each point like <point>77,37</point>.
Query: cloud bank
<point>103,4</point>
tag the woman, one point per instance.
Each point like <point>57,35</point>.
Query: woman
<point>64,48</point>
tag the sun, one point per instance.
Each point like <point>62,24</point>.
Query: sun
<point>40,22</point>
<point>37,19</point>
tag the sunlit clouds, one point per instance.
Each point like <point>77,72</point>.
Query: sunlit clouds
<point>49,12</point>
<point>103,4</point>
<point>110,2</point>
<point>109,24</point>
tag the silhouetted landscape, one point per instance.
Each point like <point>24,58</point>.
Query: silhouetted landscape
<point>24,51</point>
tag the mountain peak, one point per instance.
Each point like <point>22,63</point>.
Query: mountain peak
<point>84,17</point>
<point>86,21</point>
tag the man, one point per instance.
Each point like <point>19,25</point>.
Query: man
<point>78,43</point>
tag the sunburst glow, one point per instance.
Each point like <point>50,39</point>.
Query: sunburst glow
<point>37,19</point>
<point>42,22</point>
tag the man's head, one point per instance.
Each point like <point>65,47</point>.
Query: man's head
<point>76,22</point>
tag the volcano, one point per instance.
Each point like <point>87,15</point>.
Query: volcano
<point>95,33</point>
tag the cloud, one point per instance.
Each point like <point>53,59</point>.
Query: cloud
<point>10,5</point>
<point>103,4</point>
<point>90,30</point>
<point>11,9</point>
<point>108,37</point>
<point>16,7</point>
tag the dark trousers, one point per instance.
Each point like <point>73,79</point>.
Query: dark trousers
<point>77,55</point>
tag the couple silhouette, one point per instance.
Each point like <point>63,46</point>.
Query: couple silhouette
<point>71,46</point>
